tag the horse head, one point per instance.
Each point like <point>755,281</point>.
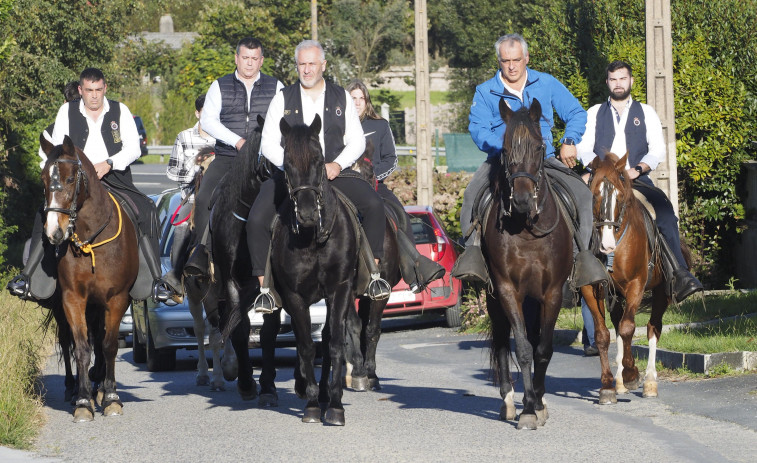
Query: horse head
<point>522,156</point>
<point>364,165</point>
<point>66,187</point>
<point>612,191</point>
<point>304,170</point>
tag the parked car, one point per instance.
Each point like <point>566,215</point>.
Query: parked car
<point>142,135</point>
<point>126,328</point>
<point>160,329</point>
<point>442,295</point>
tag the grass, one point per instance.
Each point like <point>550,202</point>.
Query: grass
<point>407,98</point>
<point>153,159</point>
<point>728,336</point>
<point>23,349</point>
<point>683,373</point>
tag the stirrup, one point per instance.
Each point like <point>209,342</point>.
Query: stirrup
<point>162,292</point>
<point>378,288</point>
<point>19,286</point>
<point>266,302</point>
<point>426,271</point>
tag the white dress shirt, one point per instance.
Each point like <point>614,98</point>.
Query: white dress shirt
<point>655,141</point>
<point>354,140</point>
<point>95,148</point>
<point>210,119</point>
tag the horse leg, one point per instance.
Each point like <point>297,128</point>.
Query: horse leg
<point>229,362</point>
<point>654,329</point>
<point>594,297</point>
<point>305,385</point>
<point>358,342</point>
<point>342,317</point>
<point>271,325</point>
<point>65,342</point>
<point>194,300</point>
<point>111,403</point>
<point>627,377</point>
<point>74,308</point>
<point>372,329</point>
<point>544,350</point>
<point>524,354</point>
<point>215,340</point>
<point>240,340</point>
<point>500,333</point>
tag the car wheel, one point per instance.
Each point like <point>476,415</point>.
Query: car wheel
<point>452,314</point>
<point>158,359</point>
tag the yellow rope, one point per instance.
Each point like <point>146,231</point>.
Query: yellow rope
<point>87,248</point>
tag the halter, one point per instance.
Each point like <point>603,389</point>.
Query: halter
<point>318,189</point>
<point>606,194</point>
<point>536,179</point>
<point>56,186</point>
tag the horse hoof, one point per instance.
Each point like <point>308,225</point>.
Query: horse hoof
<point>541,416</point>
<point>506,412</point>
<point>360,383</point>
<point>527,422</point>
<point>374,384</point>
<point>334,417</point>
<point>113,409</point>
<point>99,397</point>
<point>631,385</point>
<point>218,386</point>
<point>621,389</point>
<point>607,397</point>
<point>230,371</point>
<point>312,415</point>
<point>268,400</point>
<point>82,414</point>
<point>248,395</point>
<point>202,380</point>
<point>650,389</point>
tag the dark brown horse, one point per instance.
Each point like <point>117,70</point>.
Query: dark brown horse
<point>635,267</point>
<point>528,249</point>
<point>97,265</point>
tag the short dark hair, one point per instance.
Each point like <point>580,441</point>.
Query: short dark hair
<point>617,64</point>
<point>92,75</point>
<point>251,43</point>
<point>71,91</point>
<point>200,102</point>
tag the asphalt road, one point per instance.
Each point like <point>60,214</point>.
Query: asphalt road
<point>151,178</point>
<point>438,404</point>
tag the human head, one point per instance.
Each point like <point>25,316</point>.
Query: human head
<point>311,62</point>
<point>71,91</point>
<point>92,88</point>
<point>249,58</point>
<point>512,56</point>
<point>362,99</point>
<point>619,80</point>
<point>199,103</point>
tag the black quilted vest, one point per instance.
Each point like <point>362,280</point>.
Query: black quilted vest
<point>635,130</point>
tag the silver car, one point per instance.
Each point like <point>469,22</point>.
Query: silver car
<point>160,329</point>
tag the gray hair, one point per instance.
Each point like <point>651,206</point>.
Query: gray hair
<point>509,38</point>
<point>309,44</point>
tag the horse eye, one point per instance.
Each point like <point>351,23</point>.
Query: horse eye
<point>70,180</point>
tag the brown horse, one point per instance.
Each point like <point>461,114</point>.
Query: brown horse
<point>635,266</point>
<point>97,266</point>
<point>528,249</point>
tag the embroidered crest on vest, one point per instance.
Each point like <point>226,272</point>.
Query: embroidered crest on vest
<point>636,121</point>
<point>338,111</point>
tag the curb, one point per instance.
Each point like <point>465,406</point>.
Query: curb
<point>700,363</point>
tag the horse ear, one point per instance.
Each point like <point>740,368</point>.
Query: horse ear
<point>261,121</point>
<point>315,127</point>
<point>534,112</point>
<point>621,164</point>
<point>504,111</point>
<point>285,127</point>
<point>68,145</point>
<point>46,144</point>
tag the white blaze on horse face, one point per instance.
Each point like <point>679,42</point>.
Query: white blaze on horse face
<point>608,231</point>
<point>51,224</point>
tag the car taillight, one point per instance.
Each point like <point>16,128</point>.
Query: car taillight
<point>439,248</point>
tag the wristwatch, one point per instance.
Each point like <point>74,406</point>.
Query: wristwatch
<point>110,163</point>
<point>639,169</point>
<point>569,141</point>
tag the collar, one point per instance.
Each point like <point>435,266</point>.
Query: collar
<point>510,88</point>
<point>627,106</point>
<point>83,110</point>
<point>236,74</point>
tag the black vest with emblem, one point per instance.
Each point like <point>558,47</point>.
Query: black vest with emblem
<point>334,122</point>
<point>236,114</point>
<point>635,130</point>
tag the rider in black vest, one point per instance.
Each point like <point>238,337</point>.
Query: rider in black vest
<point>232,106</point>
<point>72,122</point>
<point>646,148</point>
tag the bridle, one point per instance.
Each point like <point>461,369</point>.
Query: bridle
<point>317,189</point>
<point>57,186</point>
<point>607,192</point>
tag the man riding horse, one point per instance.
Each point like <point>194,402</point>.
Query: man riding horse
<point>105,130</point>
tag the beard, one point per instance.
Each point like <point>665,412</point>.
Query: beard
<point>620,95</point>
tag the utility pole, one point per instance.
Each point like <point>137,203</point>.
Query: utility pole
<point>424,161</point>
<point>660,91</point>
<point>314,19</point>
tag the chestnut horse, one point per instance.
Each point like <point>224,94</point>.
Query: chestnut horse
<point>98,263</point>
<point>635,266</point>
<point>528,249</point>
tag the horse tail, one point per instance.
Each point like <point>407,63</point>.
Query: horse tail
<point>500,350</point>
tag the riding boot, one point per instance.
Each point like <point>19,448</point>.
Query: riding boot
<point>161,289</point>
<point>417,270</point>
<point>197,263</point>
<point>179,255</point>
<point>470,265</point>
<point>20,285</point>
<point>588,270</point>
<point>680,282</point>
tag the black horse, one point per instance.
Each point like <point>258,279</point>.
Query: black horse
<point>528,251</point>
<point>315,256</point>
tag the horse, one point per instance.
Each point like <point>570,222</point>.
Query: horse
<point>636,266</point>
<point>371,311</point>
<point>528,250</point>
<point>79,211</point>
<point>315,255</point>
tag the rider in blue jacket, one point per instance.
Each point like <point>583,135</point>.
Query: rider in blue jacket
<point>519,86</point>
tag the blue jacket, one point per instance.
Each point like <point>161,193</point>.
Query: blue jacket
<point>488,129</point>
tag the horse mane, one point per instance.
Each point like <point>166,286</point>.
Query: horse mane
<point>301,150</point>
<point>242,175</point>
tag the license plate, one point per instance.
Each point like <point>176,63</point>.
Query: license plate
<point>401,296</point>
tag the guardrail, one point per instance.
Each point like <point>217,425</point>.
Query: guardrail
<point>165,150</point>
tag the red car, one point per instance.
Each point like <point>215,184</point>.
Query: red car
<point>443,295</point>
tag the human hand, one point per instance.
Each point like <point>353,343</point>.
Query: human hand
<point>632,174</point>
<point>102,168</point>
<point>568,155</point>
<point>240,143</point>
<point>332,170</point>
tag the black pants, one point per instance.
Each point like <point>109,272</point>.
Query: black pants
<point>665,217</point>
<point>210,179</point>
<point>368,203</point>
<point>387,195</point>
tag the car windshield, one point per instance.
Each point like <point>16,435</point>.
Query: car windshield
<point>423,231</point>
